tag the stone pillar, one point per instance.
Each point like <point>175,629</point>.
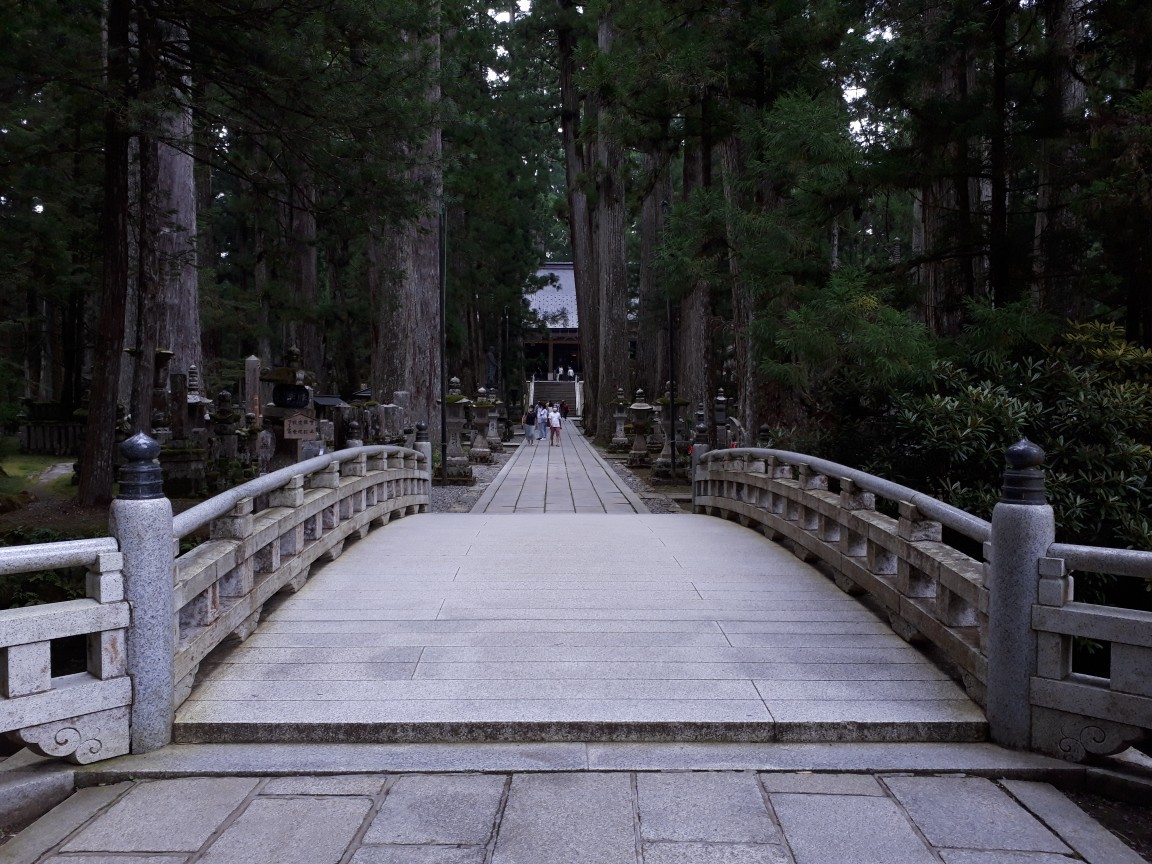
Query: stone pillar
<point>481,410</point>
<point>720,415</point>
<point>141,522</point>
<point>620,442</point>
<point>423,442</point>
<point>252,400</point>
<point>458,467</point>
<point>699,448</point>
<point>641,418</point>
<point>495,425</point>
<point>1023,528</point>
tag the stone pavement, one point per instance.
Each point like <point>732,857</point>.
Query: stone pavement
<point>537,815</point>
<point>567,478</point>
<point>572,627</point>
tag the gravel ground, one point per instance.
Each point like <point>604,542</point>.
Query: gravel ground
<point>460,499</point>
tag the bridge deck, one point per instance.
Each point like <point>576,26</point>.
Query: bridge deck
<point>572,627</point>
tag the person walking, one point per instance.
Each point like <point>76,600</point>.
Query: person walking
<point>554,422</point>
<point>529,421</point>
<point>541,419</point>
<point>564,410</point>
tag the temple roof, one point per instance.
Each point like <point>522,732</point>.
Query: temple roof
<point>557,303</point>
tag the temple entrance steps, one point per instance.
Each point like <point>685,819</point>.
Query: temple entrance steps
<point>554,627</point>
<point>556,391</point>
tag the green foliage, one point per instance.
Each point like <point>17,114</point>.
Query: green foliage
<point>1086,399</point>
<point>850,337</point>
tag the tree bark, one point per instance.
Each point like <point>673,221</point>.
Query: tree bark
<point>653,312</point>
<point>581,219</point>
<point>97,462</point>
<point>695,361</point>
<point>408,339</point>
<point>1058,236</point>
<point>611,256</point>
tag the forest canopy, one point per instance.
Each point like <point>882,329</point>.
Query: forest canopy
<point>899,234</point>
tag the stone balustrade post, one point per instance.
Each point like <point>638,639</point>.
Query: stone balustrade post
<point>141,522</point>
<point>699,449</point>
<point>423,443</point>
<point>1023,528</point>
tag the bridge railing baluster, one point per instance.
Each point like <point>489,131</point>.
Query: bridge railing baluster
<point>1013,654</point>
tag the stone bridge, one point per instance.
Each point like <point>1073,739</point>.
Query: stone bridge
<point>802,604</point>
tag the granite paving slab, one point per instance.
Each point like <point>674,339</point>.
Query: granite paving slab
<point>989,820</point>
<point>678,815</point>
<point>577,626</point>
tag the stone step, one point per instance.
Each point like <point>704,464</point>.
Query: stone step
<point>272,759</point>
<point>512,731</point>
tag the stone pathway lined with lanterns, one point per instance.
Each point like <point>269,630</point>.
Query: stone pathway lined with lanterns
<point>567,478</point>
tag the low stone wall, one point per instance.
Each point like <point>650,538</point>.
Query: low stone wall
<point>1006,622</point>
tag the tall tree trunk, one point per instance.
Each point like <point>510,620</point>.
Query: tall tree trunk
<point>611,256</point>
<point>743,304</point>
<point>695,361</point>
<point>96,468</point>
<point>1057,233</point>
<point>581,219</point>
<point>945,270</point>
<point>409,334</point>
<point>653,313</point>
<point>304,330</point>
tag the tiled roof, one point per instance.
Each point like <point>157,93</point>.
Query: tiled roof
<point>557,302</point>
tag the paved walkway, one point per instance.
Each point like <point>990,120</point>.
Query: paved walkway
<point>572,627</point>
<point>567,817</point>
<point>570,477</point>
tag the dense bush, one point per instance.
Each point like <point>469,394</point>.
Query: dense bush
<point>942,425</point>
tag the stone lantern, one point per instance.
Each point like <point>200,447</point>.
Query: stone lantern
<point>641,421</point>
<point>481,410</point>
<point>456,403</point>
<point>720,417</point>
<point>620,442</point>
<point>662,467</point>
<point>495,416</point>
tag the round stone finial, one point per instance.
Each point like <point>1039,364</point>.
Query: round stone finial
<point>421,431</point>
<point>1023,478</point>
<point>140,476</point>
<point>140,448</point>
<point>1024,454</point>
<point>421,426</point>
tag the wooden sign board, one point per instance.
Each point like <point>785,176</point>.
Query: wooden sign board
<point>300,427</point>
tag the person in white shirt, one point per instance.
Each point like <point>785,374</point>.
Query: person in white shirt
<point>554,425</point>
<point>541,419</point>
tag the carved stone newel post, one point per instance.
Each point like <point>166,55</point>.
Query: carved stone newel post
<point>141,521</point>
<point>1023,528</point>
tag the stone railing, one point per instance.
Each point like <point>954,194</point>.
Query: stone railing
<point>312,509</point>
<point>83,716</point>
<point>1006,622</point>
<point>1082,714</point>
<point>153,615</point>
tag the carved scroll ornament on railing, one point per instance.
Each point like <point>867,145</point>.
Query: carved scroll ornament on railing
<point>83,716</point>
<point>1079,715</point>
